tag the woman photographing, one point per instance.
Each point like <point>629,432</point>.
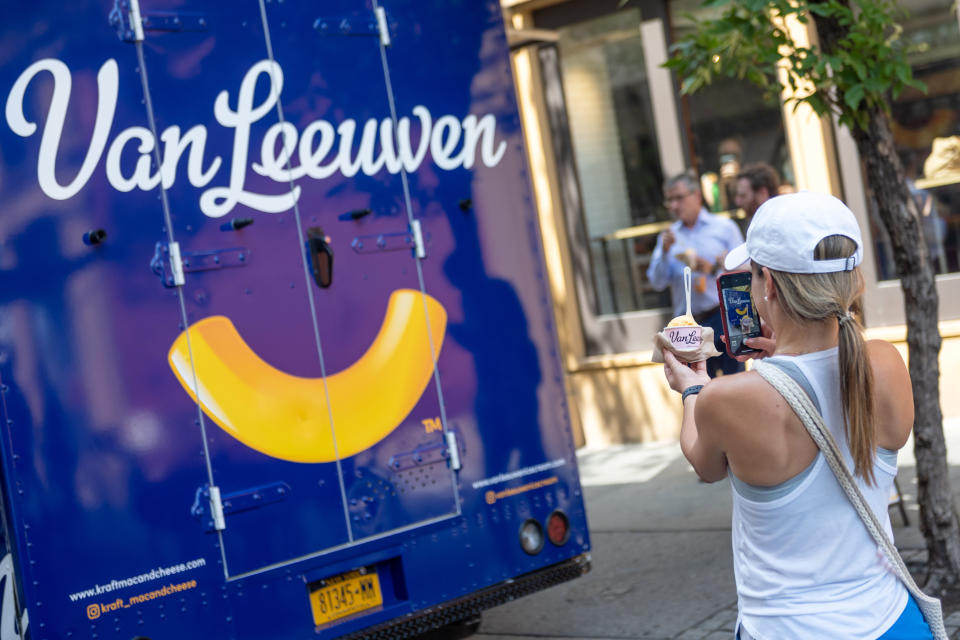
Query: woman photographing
<point>805,565</point>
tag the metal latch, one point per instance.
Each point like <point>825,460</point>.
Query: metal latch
<point>131,23</point>
<point>374,24</point>
<point>170,264</point>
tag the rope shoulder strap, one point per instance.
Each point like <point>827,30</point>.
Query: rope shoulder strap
<point>800,402</point>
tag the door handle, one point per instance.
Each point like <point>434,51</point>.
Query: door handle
<point>320,256</point>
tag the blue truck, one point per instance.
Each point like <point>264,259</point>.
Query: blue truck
<point>277,355</point>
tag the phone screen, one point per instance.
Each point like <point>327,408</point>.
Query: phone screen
<point>740,318</point>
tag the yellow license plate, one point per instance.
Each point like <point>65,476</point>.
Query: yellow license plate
<point>345,595</point>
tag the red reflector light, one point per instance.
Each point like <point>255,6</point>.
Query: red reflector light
<point>558,528</point>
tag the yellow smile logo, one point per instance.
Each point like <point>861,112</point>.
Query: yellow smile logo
<point>288,417</point>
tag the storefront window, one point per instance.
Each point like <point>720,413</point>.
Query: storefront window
<point>617,158</point>
<point>926,128</point>
<point>730,125</point>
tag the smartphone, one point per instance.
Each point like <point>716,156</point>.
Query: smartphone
<point>740,319</point>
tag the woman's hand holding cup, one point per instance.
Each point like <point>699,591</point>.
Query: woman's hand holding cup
<point>680,375</point>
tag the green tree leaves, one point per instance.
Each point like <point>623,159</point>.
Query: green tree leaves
<point>749,40</point>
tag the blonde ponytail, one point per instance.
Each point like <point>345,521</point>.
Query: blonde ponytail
<point>816,297</point>
<point>856,390</point>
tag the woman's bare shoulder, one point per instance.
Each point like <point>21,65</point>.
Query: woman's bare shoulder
<point>755,427</point>
<point>734,385</point>
<point>883,353</point>
<point>889,371</point>
<point>729,401</point>
<point>892,393</point>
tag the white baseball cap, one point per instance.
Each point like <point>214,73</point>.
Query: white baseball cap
<point>786,229</point>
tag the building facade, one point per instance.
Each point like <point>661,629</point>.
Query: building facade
<point>605,124</point>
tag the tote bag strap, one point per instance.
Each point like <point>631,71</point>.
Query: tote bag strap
<point>800,402</point>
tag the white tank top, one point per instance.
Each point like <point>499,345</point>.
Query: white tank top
<point>805,566</point>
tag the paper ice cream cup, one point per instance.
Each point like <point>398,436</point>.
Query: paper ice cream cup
<point>684,338</point>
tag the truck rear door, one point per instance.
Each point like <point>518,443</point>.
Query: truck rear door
<point>310,342</point>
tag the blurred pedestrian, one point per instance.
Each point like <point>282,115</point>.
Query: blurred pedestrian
<point>757,182</point>
<point>700,240</point>
<point>804,564</point>
<point>934,227</point>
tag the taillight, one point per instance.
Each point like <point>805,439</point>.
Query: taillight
<point>531,536</point>
<point>558,528</point>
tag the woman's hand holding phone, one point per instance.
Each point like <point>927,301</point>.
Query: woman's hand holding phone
<point>741,324</point>
<point>765,345</point>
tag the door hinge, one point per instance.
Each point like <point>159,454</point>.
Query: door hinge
<point>418,248</point>
<point>211,507</point>
<point>391,242</point>
<point>208,508</point>
<point>171,264</point>
<point>422,456</point>
<point>382,26</point>
<point>216,509</point>
<point>131,23</point>
<point>448,448</point>
<point>135,20</point>
<point>375,24</point>
<point>453,449</point>
<point>176,264</point>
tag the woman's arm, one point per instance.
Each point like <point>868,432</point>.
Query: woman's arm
<point>892,395</point>
<point>700,449</point>
<point>698,442</point>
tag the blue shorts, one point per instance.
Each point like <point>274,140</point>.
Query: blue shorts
<point>910,625</point>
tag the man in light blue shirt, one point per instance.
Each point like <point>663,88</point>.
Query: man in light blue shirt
<point>701,240</point>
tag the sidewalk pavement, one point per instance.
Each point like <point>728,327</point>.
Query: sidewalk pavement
<point>662,560</point>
